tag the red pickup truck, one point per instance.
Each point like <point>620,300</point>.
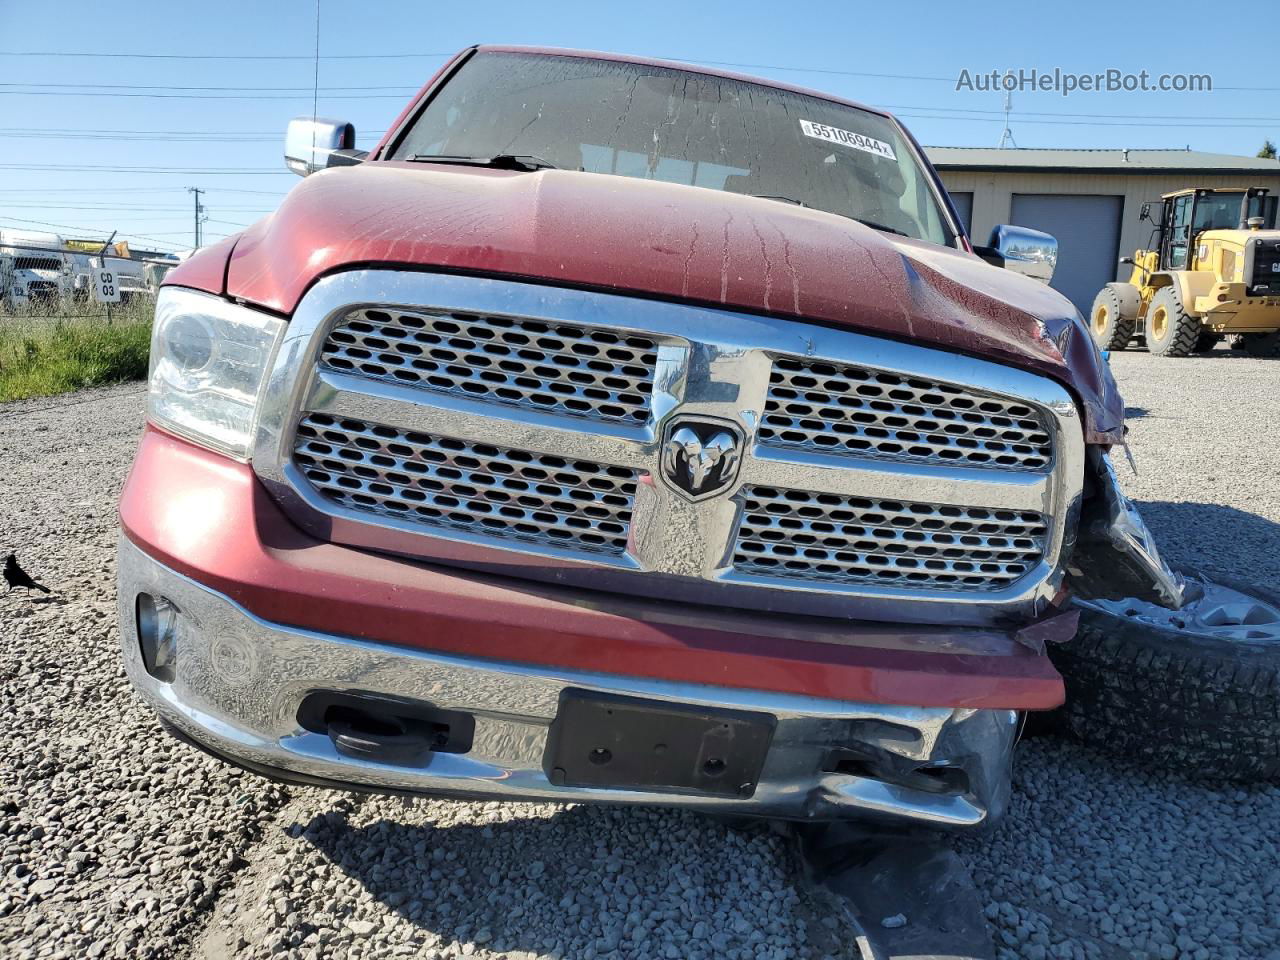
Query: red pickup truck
<point>624,431</point>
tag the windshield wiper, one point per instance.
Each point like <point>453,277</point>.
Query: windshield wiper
<point>877,226</point>
<point>503,161</point>
<point>768,196</point>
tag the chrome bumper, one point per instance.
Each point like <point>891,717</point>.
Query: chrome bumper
<point>239,681</point>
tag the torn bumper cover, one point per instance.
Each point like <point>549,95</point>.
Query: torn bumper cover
<point>1115,555</point>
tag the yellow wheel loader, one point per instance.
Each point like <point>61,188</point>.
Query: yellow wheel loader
<point>1212,270</point>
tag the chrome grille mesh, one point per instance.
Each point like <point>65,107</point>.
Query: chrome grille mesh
<point>486,489</point>
<point>515,406</point>
<point>842,409</point>
<point>824,537</point>
<point>558,367</point>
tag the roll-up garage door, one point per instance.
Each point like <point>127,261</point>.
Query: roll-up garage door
<point>1088,230</point>
<point>964,206</point>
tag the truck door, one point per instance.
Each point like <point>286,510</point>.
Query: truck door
<point>1178,233</point>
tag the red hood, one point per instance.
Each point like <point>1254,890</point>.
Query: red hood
<point>672,241</point>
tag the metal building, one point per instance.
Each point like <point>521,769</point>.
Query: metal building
<point>1088,199</point>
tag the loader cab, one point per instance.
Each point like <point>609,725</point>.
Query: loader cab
<point>1188,213</point>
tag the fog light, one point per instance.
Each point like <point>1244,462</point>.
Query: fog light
<point>159,624</point>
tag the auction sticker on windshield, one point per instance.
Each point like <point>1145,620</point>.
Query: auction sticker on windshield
<point>820,131</point>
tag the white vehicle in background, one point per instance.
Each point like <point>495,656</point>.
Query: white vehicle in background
<point>154,270</point>
<point>34,268</point>
<point>131,278</point>
<point>132,274</point>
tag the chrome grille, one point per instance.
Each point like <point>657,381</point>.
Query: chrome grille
<point>851,451</point>
<point>561,368</point>
<point>444,482</point>
<point>842,409</point>
<point>816,536</point>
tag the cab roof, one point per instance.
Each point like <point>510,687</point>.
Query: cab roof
<point>1186,190</point>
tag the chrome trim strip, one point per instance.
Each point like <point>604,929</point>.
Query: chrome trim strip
<point>403,407</point>
<point>878,480</point>
<point>712,363</point>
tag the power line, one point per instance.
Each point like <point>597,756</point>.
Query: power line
<point>198,96</point>
<point>157,136</point>
<point>136,139</point>
<point>8,205</point>
<point>27,190</point>
<point>176,133</point>
<point>167,86</point>
<point>67,226</point>
<point>86,168</point>
<point>222,56</point>
<point>125,135</point>
<point>122,217</point>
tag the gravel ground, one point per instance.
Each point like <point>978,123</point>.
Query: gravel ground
<point>118,842</point>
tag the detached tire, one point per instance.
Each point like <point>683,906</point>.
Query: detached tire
<point>1171,331</point>
<point>1111,329</point>
<point>1193,700</point>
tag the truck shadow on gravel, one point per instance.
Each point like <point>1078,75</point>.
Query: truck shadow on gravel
<point>582,881</point>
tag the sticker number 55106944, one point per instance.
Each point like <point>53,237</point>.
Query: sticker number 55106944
<point>847,138</point>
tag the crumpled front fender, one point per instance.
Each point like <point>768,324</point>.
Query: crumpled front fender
<point>1115,556</point>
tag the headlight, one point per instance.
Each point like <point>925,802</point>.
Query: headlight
<point>209,361</point>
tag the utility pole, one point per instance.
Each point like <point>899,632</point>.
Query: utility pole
<point>1007,136</point>
<point>199,213</point>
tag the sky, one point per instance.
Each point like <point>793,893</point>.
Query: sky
<point>194,94</point>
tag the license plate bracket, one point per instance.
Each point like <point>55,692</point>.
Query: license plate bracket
<point>616,742</point>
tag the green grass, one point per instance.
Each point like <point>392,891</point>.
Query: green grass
<point>43,356</point>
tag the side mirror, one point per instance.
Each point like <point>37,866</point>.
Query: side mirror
<point>311,145</point>
<point>1128,260</point>
<point>1022,250</point>
<point>1145,213</point>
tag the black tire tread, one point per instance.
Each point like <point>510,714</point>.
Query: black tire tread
<point>1201,706</point>
<point>1121,332</point>
<point>1186,328</point>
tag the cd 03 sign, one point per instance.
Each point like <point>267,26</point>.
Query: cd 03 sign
<point>105,288</point>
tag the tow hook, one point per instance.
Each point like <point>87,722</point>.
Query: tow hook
<point>379,729</point>
<point>361,735</point>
